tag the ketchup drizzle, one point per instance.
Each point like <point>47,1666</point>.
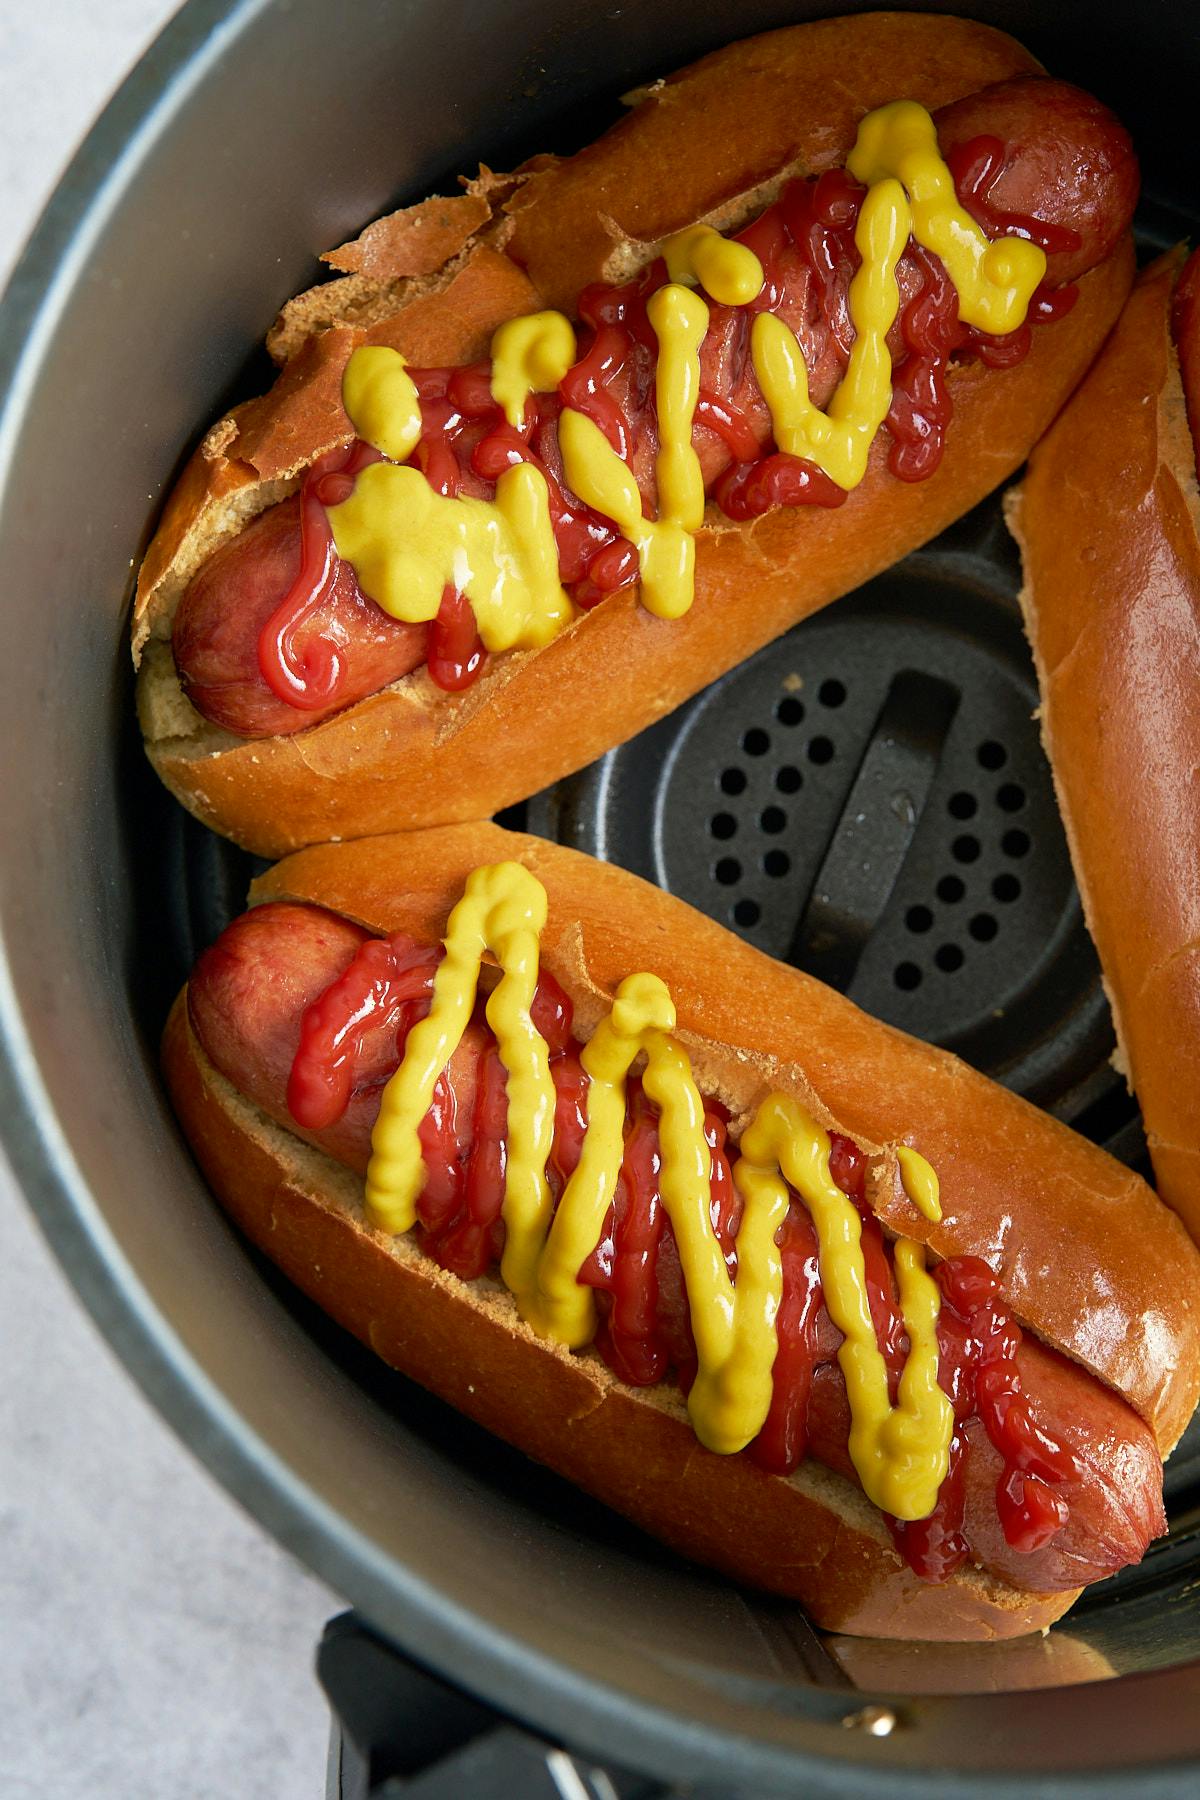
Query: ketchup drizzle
<point>464,1229</point>
<point>979,1343</point>
<point>472,1240</point>
<point>805,242</point>
<point>625,1267</point>
<point>782,1444</point>
<point>389,981</point>
<point>308,677</point>
<point>976,167</point>
<point>456,653</point>
<point>645,1329</point>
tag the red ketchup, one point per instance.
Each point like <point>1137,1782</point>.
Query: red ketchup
<point>308,678</point>
<point>466,443</point>
<point>386,986</point>
<point>456,652</point>
<point>463,1228</point>
<point>979,1343</point>
<point>624,1266</point>
<point>645,1332</point>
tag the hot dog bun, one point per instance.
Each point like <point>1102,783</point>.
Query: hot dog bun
<point>1046,1208</point>
<point>412,755</point>
<point>1107,519</point>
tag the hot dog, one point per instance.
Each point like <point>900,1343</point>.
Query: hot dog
<point>1107,520</point>
<point>295,1062</point>
<point>284,705</point>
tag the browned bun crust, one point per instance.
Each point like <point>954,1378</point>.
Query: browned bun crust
<point>717,140</point>
<point>411,755</point>
<point>1048,1209</point>
<point>1108,520</point>
<point>812,1537</point>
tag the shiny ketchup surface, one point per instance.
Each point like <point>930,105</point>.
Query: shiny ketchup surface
<point>645,1332</point>
<point>805,243</point>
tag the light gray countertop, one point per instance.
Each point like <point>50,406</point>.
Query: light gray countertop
<point>152,1640</point>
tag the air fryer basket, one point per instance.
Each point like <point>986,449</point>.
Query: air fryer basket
<point>866,797</point>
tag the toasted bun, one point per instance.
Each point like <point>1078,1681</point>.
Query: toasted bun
<point>717,140</point>
<point>1047,1208</point>
<point>1108,521</point>
<point>411,755</point>
<point>814,1537</point>
<point>1013,1183</point>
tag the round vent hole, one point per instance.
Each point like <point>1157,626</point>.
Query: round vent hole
<point>1015,843</point>
<point>1006,888</point>
<point>950,890</point>
<point>948,958</point>
<point>722,825</point>
<point>831,693</point>
<point>728,870</point>
<point>755,742</point>
<point>919,918</point>
<point>965,849</point>
<point>983,928</point>
<point>733,781</point>
<point>790,711</point>
<point>747,912</point>
<point>1010,798</point>
<point>820,750</point>
<point>777,862</point>
<point>907,976</point>
<point>962,806</point>
<point>991,755</point>
<point>773,819</point>
<point>789,780</point>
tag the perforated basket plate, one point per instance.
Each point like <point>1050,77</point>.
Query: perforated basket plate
<point>868,799</point>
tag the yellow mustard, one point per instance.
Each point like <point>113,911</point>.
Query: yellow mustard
<point>565,1310</point>
<point>502,910</point>
<point>995,281</point>
<point>899,1452</point>
<point>701,257</point>
<point>407,542</point>
<point>919,1181</point>
<point>733,1323</point>
<point>530,355</point>
<point>840,440</point>
<point>502,555</point>
<point>910,191</point>
<point>381,400</point>
<point>666,546</point>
